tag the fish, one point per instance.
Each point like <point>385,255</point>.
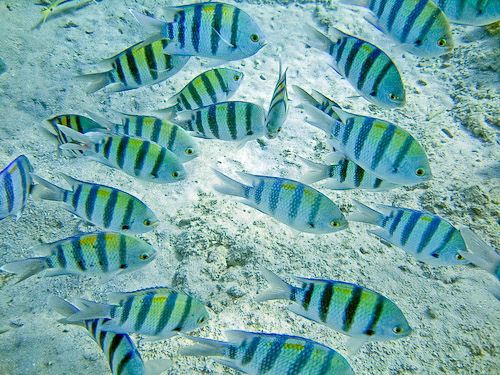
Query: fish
<point>378,146</point>
<point>80,123</point>
<point>428,237</point>
<point>15,187</point>
<point>361,313</point>
<point>471,12</point>
<point>226,121</point>
<point>159,312</point>
<point>299,206</point>
<point>213,30</point>
<point>419,26</point>
<point>343,174</point>
<point>257,353</point>
<point>369,70</point>
<point>121,353</point>
<point>59,6</point>
<point>163,132</point>
<point>104,206</point>
<point>143,64</point>
<point>135,156</point>
<point>483,256</point>
<point>318,100</point>
<point>278,108</point>
<point>210,87</point>
<point>104,254</point>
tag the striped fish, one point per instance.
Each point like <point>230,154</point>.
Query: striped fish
<point>140,65</point>
<point>59,6</point>
<point>471,12</point>
<point>227,121</point>
<point>80,123</point>
<point>343,175</point>
<point>418,25</point>
<point>15,187</point>
<point>428,237</point>
<point>257,353</point>
<point>290,202</point>
<point>102,253</point>
<point>365,66</point>
<point>213,30</point>
<point>358,312</point>
<point>163,132</point>
<point>121,353</point>
<point>101,205</point>
<point>160,312</point>
<point>318,100</point>
<point>378,146</point>
<point>135,156</point>
<point>210,87</point>
<point>278,108</point>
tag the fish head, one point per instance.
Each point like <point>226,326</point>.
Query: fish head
<point>438,41</point>
<point>451,254</point>
<point>143,221</point>
<point>140,254</point>
<point>251,39</point>
<point>190,149</point>
<point>413,169</point>
<point>275,120</point>
<point>329,219</point>
<point>170,171</point>
<point>232,78</point>
<point>198,316</point>
<point>391,91</point>
<point>392,323</point>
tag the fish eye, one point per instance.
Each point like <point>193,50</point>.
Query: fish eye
<point>459,257</point>
<point>236,77</point>
<point>201,320</point>
<point>175,174</point>
<point>393,97</point>
<point>442,42</point>
<point>189,151</point>
<point>397,330</point>
<point>335,224</point>
<point>125,227</point>
<point>144,257</point>
<point>254,38</point>
<point>123,266</point>
<point>147,222</point>
<point>418,43</point>
<point>420,172</point>
<point>279,129</point>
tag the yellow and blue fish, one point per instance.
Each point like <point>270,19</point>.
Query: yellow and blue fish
<point>15,187</point>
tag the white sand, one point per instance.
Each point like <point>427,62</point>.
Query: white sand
<point>211,246</point>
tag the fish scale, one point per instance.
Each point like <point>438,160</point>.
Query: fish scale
<point>365,66</point>
<point>427,237</point>
<point>259,353</point>
<point>348,308</point>
<point>419,25</point>
<point>15,187</point>
<point>104,206</point>
<point>471,12</point>
<point>290,202</point>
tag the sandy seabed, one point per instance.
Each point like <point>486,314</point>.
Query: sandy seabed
<point>211,246</point>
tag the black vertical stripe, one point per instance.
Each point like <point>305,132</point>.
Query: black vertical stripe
<point>307,295</point>
<point>346,130</point>
<point>381,8</point>
<point>412,17</point>
<point>221,81</point>
<point>127,306</point>
<point>326,298</point>
<point>302,358</point>
<point>396,6</point>
<point>340,51</point>
<point>151,61</point>
<point>428,233</point>
<point>141,157</point>
<point>367,65</point>
<point>166,312</point>
<point>109,209</point>
<point>121,73</point>
<point>107,147</point>
<point>157,126</point>
<point>212,120</point>
<point>380,77</point>
<point>194,94</point>
<point>428,24</point>
<point>272,354</point>
<point>402,152</point>
<point>146,304</point>
<point>343,170</point>
<point>350,310</point>
<point>102,339</point>
<point>139,125</point>
<point>133,67</point>
<point>78,124</point>
<point>210,89</point>
<point>375,316</point>
<point>216,29</point>
<point>185,314</point>
<point>172,136</point>
<point>352,56</point>
<point>90,202</point>
<point>121,152</point>
<point>78,254</point>
<point>396,221</point>
<point>115,342</point>
<point>61,258</point>
<point>199,123</point>
<point>234,27</point>
<point>184,102</point>
<point>250,350</point>
<point>159,162</point>
<point>358,175</point>
<point>196,26</point>
<point>123,251</point>
<point>101,250</point>
<point>231,119</point>
<point>124,361</point>
<point>182,28</point>
<point>382,145</point>
<point>248,118</point>
<point>9,190</point>
<point>410,225</point>
<point>76,196</point>
<point>128,213</point>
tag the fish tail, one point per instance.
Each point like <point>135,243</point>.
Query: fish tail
<point>151,24</point>
<point>96,81</point>
<point>48,134</point>
<point>26,268</point>
<point>204,347</point>
<point>169,113</point>
<point>316,172</point>
<point>318,118</point>
<point>317,39</point>
<point>278,289</point>
<point>46,190</point>
<point>229,186</point>
<point>63,307</point>
<point>477,246</point>
<point>365,214</point>
<point>304,95</point>
<point>89,310</point>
